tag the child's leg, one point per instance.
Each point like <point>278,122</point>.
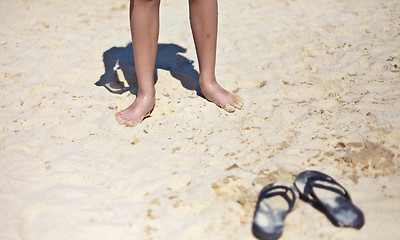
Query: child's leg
<point>144,18</point>
<point>204,21</point>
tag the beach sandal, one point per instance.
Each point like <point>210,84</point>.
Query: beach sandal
<point>329,197</point>
<point>275,201</point>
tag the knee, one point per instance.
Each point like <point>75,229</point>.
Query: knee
<point>147,4</point>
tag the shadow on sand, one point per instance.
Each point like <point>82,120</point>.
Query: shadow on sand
<point>120,60</point>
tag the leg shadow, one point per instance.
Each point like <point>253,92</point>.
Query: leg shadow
<point>120,75</point>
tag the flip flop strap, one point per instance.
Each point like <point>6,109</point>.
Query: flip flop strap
<point>268,194</point>
<point>312,183</point>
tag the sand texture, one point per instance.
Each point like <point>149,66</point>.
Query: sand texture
<point>320,81</point>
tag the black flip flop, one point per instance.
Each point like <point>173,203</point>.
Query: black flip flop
<point>329,197</point>
<point>275,201</point>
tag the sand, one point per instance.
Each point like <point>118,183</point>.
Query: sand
<point>320,82</point>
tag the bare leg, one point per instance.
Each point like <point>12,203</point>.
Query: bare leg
<point>204,22</point>
<point>144,19</point>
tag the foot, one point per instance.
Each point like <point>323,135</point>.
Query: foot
<point>213,92</point>
<point>136,112</point>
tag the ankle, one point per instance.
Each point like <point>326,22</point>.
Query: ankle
<point>147,93</point>
<point>207,77</point>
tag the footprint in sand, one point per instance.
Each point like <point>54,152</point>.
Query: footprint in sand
<point>371,158</point>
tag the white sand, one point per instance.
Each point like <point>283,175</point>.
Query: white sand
<point>321,86</point>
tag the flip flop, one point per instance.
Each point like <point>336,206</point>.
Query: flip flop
<point>329,197</point>
<point>275,201</point>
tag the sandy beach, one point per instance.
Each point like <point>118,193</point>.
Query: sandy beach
<point>320,81</point>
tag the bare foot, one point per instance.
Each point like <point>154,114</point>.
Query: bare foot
<point>213,92</point>
<point>136,112</point>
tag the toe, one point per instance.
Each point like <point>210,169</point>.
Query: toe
<point>237,101</point>
<point>227,107</point>
<point>131,123</point>
<point>120,118</point>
